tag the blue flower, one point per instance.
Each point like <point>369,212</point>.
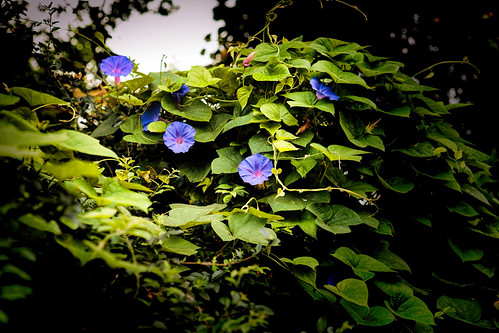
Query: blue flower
<point>255,169</point>
<point>321,90</point>
<point>177,95</point>
<point>151,114</point>
<point>116,66</point>
<point>179,137</point>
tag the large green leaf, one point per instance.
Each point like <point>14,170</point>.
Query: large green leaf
<point>207,132</point>
<point>307,99</point>
<point>466,254</point>
<point>200,77</point>
<point>337,74</point>
<point>243,94</point>
<point>6,100</point>
<point>84,144</point>
<point>179,245</point>
<point>361,264</point>
<point>197,110</point>
<point>250,228</point>
<point>38,222</point>
<point>182,214</point>
<point>295,201</point>
<point>460,309</point>
<point>410,307</point>
<point>352,290</point>
<point>354,129</point>
<point>73,168</point>
<point>35,98</point>
<point>375,316</point>
<point>341,153</point>
<point>341,219</point>
<point>227,162</point>
<point>273,71</point>
<point>278,112</point>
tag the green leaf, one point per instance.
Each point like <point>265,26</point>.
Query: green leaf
<point>352,290</point>
<point>375,316</point>
<point>249,228</point>
<point>341,220</point>
<point>259,144</point>
<point>295,201</point>
<point>222,230</point>
<point>305,261</point>
<point>157,127</point>
<point>114,193</point>
<point>208,132</point>
<point>238,121</point>
<point>272,72</point>
<point>107,127</point>
<point>337,74</point>
<point>14,292</point>
<point>200,77</point>
<point>137,83</point>
<point>342,153</point>
<point>304,166</point>
<point>466,255</point>
<point>73,168</point>
<point>278,112</point>
<point>475,193</point>
<point>35,98</point>
<point>179,245</point>
<point>182,214</point>
<point>243,94</point>
<point>463,208</point>
<point>354,129</point>
<point>197,110</point>
<point>360,263</point>
<point>133,125</point>
<point>397,184</point>
<point>7,100</point>
<point>410,307</point>
<point>227,162</point>
<point>84,144</point>
<point>12,136</point>
<point>284,146</point>
<point>38,222</point>
<point>460,309</point>
<point>420,149</point>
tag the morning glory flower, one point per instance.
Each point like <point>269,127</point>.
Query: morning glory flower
<point>248,59</point>
<point>321,90</point>
<point>255,169</point>
<point>179,137</point>
<point>116,66</point>
<point>177,95</point>
<point>151,114</point>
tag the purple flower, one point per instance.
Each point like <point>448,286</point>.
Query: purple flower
<point>255,169</point>
<point>248,59</point>
<point>321,90</point>
<point>116,66</point>
<point>150,115</point>
<point>179,137</point>
<point>177,95</point>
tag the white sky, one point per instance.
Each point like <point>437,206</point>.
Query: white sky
<point>146,38</point>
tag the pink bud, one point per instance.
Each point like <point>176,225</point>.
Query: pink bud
<point>248,59</point>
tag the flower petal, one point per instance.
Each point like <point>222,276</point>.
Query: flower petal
<point>116,66</point>
<point>179,137</point>
<point>150,115</point>
<point>255,169</point>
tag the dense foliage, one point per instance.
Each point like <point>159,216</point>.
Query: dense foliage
<point>375,213</point>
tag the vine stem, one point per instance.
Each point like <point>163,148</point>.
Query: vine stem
<point>464,61</point>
